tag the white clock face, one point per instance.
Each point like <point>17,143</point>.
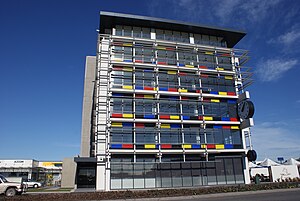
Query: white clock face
<point>246,109</point>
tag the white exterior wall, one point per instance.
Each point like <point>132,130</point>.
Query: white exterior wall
<point>16,163</point>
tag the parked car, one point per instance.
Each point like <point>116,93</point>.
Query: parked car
<point>32,184</point>
<point>11,188</point>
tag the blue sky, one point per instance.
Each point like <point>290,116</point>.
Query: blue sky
<point>43,45</point>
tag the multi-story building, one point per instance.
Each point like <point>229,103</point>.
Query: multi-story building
<point>164,106</point>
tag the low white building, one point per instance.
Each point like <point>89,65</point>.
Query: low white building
<point>48,172</point>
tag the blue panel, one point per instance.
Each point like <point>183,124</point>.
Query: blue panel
<point>225,119</point>
<point>148,71</point>
<point>116,146</point>
<point>127,124</point>
<point>153,62</point>
<point>139,87</point>
<point>195,146</point>
<point>181,65</point>
<point>163,89</point>
<point>214,92</point>
<point>149,116</point>
<point>175,126</point>
<point>232,101</point>
<point>127,60</point>
<point>117,94</point>
<point>217,126</point>
<point>186,117</point>
<point>173,97</point>
<point>157,146</point>
<point>228,146</point>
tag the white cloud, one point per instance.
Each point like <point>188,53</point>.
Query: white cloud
<point>271,140</point>
<point>288,38</point>
<point>273,69</point>
<point>230,12</point>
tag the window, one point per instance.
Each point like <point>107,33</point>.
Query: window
<point>121,135</point>
<point>121,105</point>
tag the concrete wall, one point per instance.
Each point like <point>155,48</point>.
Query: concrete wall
<point>68,173</point>
<point>86,126</point>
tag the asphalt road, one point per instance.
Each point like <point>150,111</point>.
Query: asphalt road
<point>267,195</point>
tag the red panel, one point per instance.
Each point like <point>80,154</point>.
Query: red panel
<point>162,63</point>
<point>226,127</point>
<point>139,95</point>
<point>231,93</point>
<point>166,146</point>
<point>164,116</point>
<point>182,73</point>
<point>148,88</point>
<point>117,115</point>
<point>206,100</point>
<point>117,68</point>
<point>203,67</point>
<point>233,119</point>
<point>127,146</point>
<point>169,48</point>
<point>139,125</point>
<point>200,118</point>
<point>203,75</point>
<point>197,91</point>
<point>211,146</point>
<point>172,89</point>
<point>138,61</point>
<point>184,98</point>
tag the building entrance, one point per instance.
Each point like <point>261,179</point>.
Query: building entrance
<point>86,177</point>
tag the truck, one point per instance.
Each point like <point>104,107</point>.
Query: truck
<point>11,188</point>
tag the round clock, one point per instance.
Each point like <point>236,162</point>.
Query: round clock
<point>246,109</point>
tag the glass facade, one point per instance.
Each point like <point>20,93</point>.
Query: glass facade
<point>169,35</point>
<point>173,172</point>
<point>171,109</point>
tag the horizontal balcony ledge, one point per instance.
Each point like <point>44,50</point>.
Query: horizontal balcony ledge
<point>225,72</point>
<point>176,151</point>
<point>172,93</point>
<point>174,121</point>
<point>172,43</point>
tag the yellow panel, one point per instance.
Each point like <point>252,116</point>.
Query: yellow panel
<point>172,72</point>
<point>161,48</point>
<point>219,68</point>
<point>228,77</point>
<point>149,146</point>
<point>189,66</point>
<point>127,87</point>
<point>155,89</point>
<point>187,146</point>
<point>174,117</point>
<point>117,60</point>
<point>235,127</point>
<point>128,115</point>
<point>182,90</point>
<point>127,69</point>
<point>165,126</point>
<point>116,124</point>
<point>210,53</point>
<point>222,93</point>
<point>148,96</point>
<point>219,146</point>
<point>208,118</point>
<point>203,146</point>
<point>127,44</point>
<point>215,100</point>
